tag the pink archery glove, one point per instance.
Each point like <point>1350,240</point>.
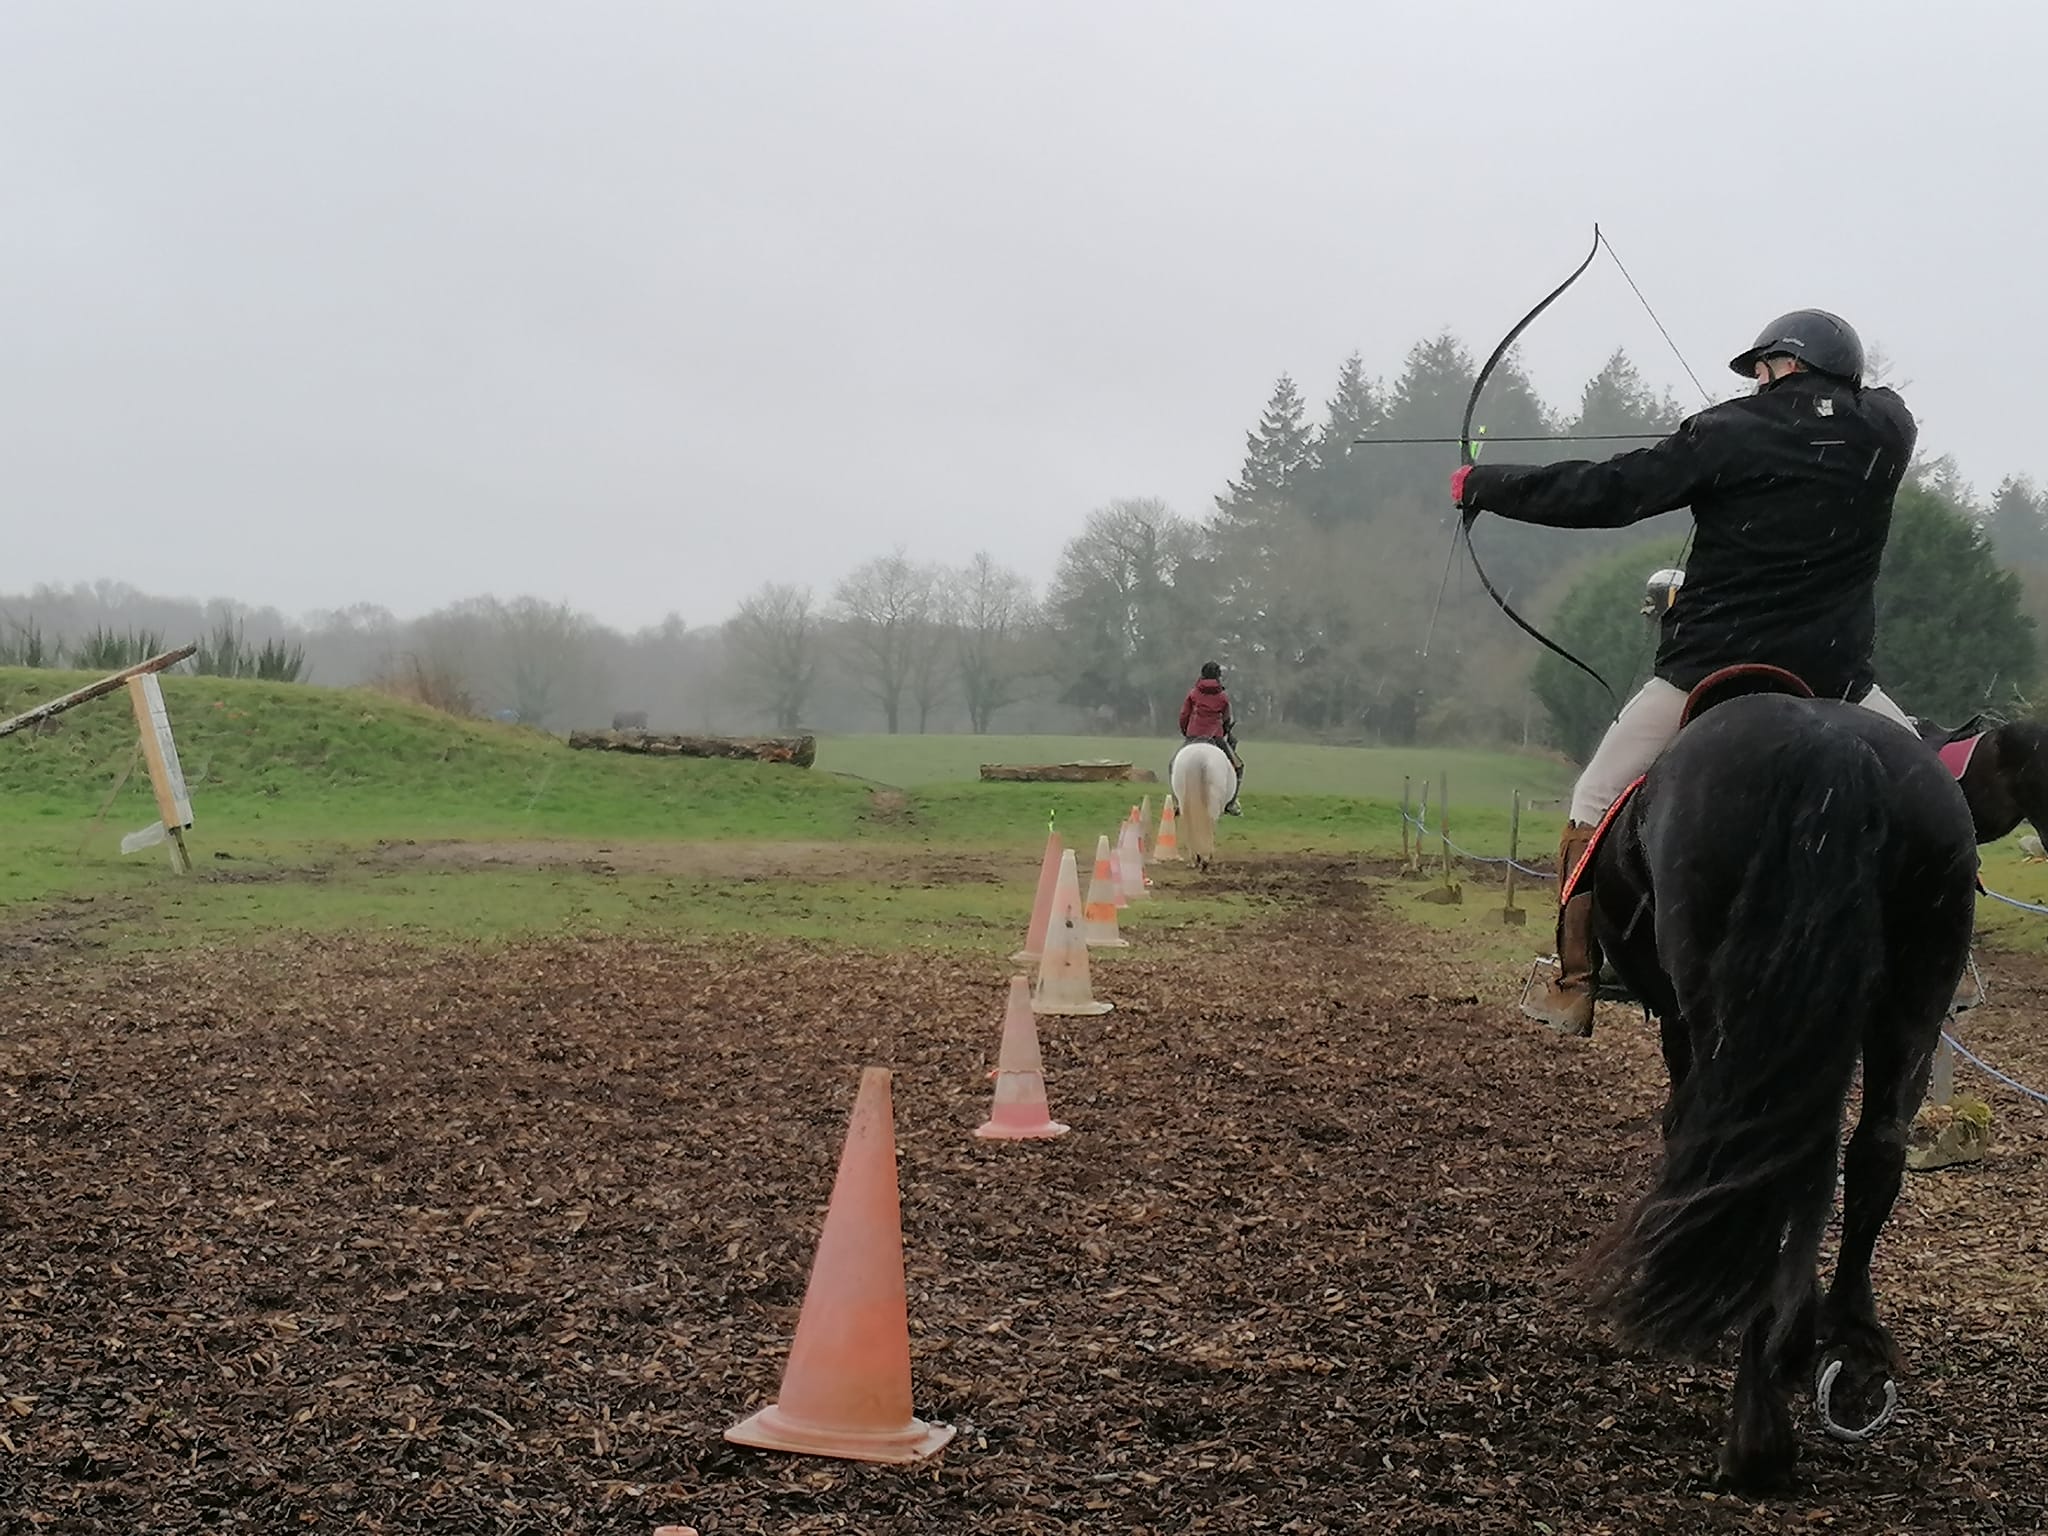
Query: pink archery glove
<point>1458,484</point>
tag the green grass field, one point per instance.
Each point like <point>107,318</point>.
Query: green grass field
<point>1281,768</point>
<point>294,788</point>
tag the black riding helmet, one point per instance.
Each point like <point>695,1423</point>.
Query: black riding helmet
<point>1211,669</point>
<point>1823,342</point>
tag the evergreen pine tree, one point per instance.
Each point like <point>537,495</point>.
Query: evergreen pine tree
<point>1280,453</point>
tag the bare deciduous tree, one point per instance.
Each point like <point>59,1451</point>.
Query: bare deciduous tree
<point>545,659</point>
<point>772,642</point>
<point>992,610</point>
<point>932,673</point>
<point>888,613</point>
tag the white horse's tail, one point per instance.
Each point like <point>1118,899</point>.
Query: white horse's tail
<point>1195,787</point>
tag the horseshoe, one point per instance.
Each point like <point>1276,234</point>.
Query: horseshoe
<point>1824,1387</point>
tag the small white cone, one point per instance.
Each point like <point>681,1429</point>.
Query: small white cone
<point>1020,1112</point>
<point>1063,985</point>
<point>1131,863</point>
<point>1166,842</point>
<point>1098,918</point>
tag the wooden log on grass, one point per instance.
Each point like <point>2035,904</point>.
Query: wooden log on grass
<point>797,751</point>
<point>1066,773</point>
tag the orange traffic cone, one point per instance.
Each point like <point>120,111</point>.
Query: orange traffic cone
<point>1020,1112</point>
<point>1144,820</point>
<point>1041,904</point>
<point>1166,846</point>
<point>1063,985</point>
<point>846,1387</point>
<point>1098,918</point>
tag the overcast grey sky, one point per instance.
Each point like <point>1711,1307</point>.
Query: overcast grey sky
<point>638,305</point>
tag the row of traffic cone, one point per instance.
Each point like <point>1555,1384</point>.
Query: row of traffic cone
<point>1119,879</point>
<point>1064,986</point>
<point>846,1385</point>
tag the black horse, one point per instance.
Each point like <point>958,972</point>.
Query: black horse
<point>1791,889</point>
<point>2003,771</point>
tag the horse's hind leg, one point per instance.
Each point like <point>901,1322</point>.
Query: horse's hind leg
<point>1676,1036</point>
<point>1858,1357</point>
<point>1761,1447</point>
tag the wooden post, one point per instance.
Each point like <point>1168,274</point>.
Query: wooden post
<point>1450,893</point>
<point>1511,914</point>
<point>1941,1087</point>
<point>166,777</point>
<point>1443,821</point>
<point>1404,823</point>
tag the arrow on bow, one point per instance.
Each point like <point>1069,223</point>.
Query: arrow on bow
<point>1528,437</point>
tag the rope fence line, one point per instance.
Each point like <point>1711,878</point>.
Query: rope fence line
<point>1421,826</point>
<point>2014,901</point>
<point>1422,829</point>
<point>1990,1071</point>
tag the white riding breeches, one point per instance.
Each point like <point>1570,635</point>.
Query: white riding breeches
<point>1644,728</point>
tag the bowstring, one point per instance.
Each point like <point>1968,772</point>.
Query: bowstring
<point>1645,642</point>
<point>1654,320</point>
<point>1429,633</point>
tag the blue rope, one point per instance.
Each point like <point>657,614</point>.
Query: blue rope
<point>1990,1071</point>
<point>2012,901</point>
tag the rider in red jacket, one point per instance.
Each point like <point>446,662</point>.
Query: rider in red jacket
<point>1205,716</point>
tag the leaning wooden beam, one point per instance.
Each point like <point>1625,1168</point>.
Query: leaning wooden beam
<point>798,751</point>
<point>93,691</point>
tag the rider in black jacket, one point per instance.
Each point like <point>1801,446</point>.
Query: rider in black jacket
<point>1791,493</point>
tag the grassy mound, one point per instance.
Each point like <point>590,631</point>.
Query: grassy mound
<point>301,761</point>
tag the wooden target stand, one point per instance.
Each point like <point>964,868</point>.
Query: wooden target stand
<point>159,749</point>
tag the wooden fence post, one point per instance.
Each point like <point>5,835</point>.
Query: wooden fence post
<point>1414,869</point>
<point>1443,821</point>
<point>1511,914</point>
<point>1450,893</point>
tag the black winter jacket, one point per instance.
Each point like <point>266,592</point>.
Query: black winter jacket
<point>1791,491</point>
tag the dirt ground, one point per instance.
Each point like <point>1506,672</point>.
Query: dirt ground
<point>705,861</point>
<point>349,1236</point>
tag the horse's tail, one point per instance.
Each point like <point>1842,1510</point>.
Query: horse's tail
<point>1735,1220</point>
<point>1198,815</point>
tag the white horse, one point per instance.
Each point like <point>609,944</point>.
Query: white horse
<point>1203,782</point>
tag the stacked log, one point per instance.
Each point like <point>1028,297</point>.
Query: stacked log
<point>1066,773</point>
<point>797,751</point>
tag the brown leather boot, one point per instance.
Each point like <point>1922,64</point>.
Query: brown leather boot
<point>1566,1004</point>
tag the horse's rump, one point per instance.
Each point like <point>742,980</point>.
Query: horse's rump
<point>1755,882</point>
<point>1202,783</point>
